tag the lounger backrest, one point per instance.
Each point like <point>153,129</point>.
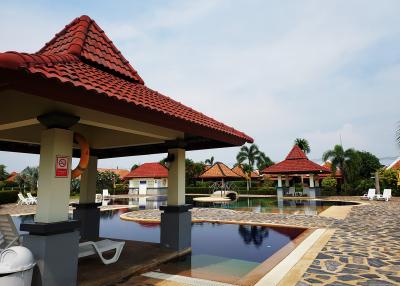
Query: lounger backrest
<point>21,197</point>
<point>105,192</point>
<point>371,192</point>
<point>8,229</point>
<point>387,193</point>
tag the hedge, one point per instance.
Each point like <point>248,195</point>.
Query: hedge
<point>7,197</point>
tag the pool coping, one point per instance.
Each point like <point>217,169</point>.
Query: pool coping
<point>289,270</point>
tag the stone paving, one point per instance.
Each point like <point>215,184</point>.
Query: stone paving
<point>364,250</point>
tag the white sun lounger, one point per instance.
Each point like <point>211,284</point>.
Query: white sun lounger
<point>22,200</point>
<point>32,199</point>
<point>99,247</point>
<point>369,196</point>
<point>386,196</point>
<point>9,233</point>
<point>106,194</point>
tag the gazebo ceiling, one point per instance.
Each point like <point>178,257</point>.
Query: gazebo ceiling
<point>296,162</point>
<point>81,72</point>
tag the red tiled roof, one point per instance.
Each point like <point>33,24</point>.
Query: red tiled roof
<point>328,165</point>
<point>296,162</point>
<point>83,57</point>
<point>239,170</point>
<point>148,170</point>
<point>395,165</point>
<point>219,171</point>
<point>11,177</point>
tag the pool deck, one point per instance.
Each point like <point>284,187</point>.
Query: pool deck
<point>363,247</point>
<point>136,257</point>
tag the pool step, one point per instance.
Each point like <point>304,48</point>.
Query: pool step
<point>184,279</point>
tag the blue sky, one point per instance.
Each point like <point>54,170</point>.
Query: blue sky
<point>276,70</point>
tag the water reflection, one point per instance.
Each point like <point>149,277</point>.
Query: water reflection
<point>253,234</point>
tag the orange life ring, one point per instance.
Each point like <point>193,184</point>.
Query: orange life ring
<point>84,160</point>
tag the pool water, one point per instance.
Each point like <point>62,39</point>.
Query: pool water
<point>265,205</point>
<point>224,252</point>
<point>274,205</point>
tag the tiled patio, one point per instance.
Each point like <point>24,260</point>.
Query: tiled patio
<point>364,250</point>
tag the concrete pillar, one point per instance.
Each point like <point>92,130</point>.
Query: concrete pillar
<point>176,178</point>
<point>287,181</point>
<point>279,181</point>
<point>317,183</point>
<point>311,176</point>
<point>87,211</point>
<point>176,219</point>
<point>53,239</point>
<point>53,192</point>
<point>88,182</point>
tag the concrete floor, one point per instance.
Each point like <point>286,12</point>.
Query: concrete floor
<point>136,257</point>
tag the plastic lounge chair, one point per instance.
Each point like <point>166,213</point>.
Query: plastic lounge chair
<point>10,234</point>
<point>369,196</point>
<point>386,196</point>
<point>22,200</point>
<point>99,198</point>
<point>32,199</point>
<point>99,247</point>
<point>106,194</point>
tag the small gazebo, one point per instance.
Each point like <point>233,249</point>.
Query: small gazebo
<point>79,85</point>
<point>296,164</point>
<point>220,172</point>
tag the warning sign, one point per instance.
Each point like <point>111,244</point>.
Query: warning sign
<point>62,166</point>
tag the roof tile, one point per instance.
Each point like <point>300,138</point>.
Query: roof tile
<point>148,170</point>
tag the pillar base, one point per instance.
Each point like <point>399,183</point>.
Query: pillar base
<point>313,192</point>
<point>279,192</point>
<point>176,227</point>
<point>89,216</point>
<point>55,247</point>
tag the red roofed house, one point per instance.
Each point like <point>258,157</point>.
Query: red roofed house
<point>79,82</point>
<point>296,164</point>
<point>148,178</point>
<point>395,165</point>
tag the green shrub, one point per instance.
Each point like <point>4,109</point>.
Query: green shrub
<point>7,197</point>
<point>329,184</point>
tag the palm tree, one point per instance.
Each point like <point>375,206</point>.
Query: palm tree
<point>248,154</point>
<point>345,160</point>
<point>209,161</point>
<point>398,135</point>
<point>28,178</point>
<point>303,144</point>
<point>263,161</point>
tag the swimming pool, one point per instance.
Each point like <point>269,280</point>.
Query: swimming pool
<point>253,204</point>
<point>222,252</point>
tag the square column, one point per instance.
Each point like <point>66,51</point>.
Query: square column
<point>279,189</point>
<point>287,181</point>
<point>176,220</point>
<point>176,178</point>
<point>54,191</point>
<point>87,211</point>
<point>53,239</point>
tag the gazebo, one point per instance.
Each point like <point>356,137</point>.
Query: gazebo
<point>80,83</point>
<point>296,164</point>
<point>220,172</point>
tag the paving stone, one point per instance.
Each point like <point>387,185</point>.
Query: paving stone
<point>332,265</point>
<point>313,281</point>
<point>348,277</point>
<point>375,262</point>
<point>324,256</point>
<point>394,278</point>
